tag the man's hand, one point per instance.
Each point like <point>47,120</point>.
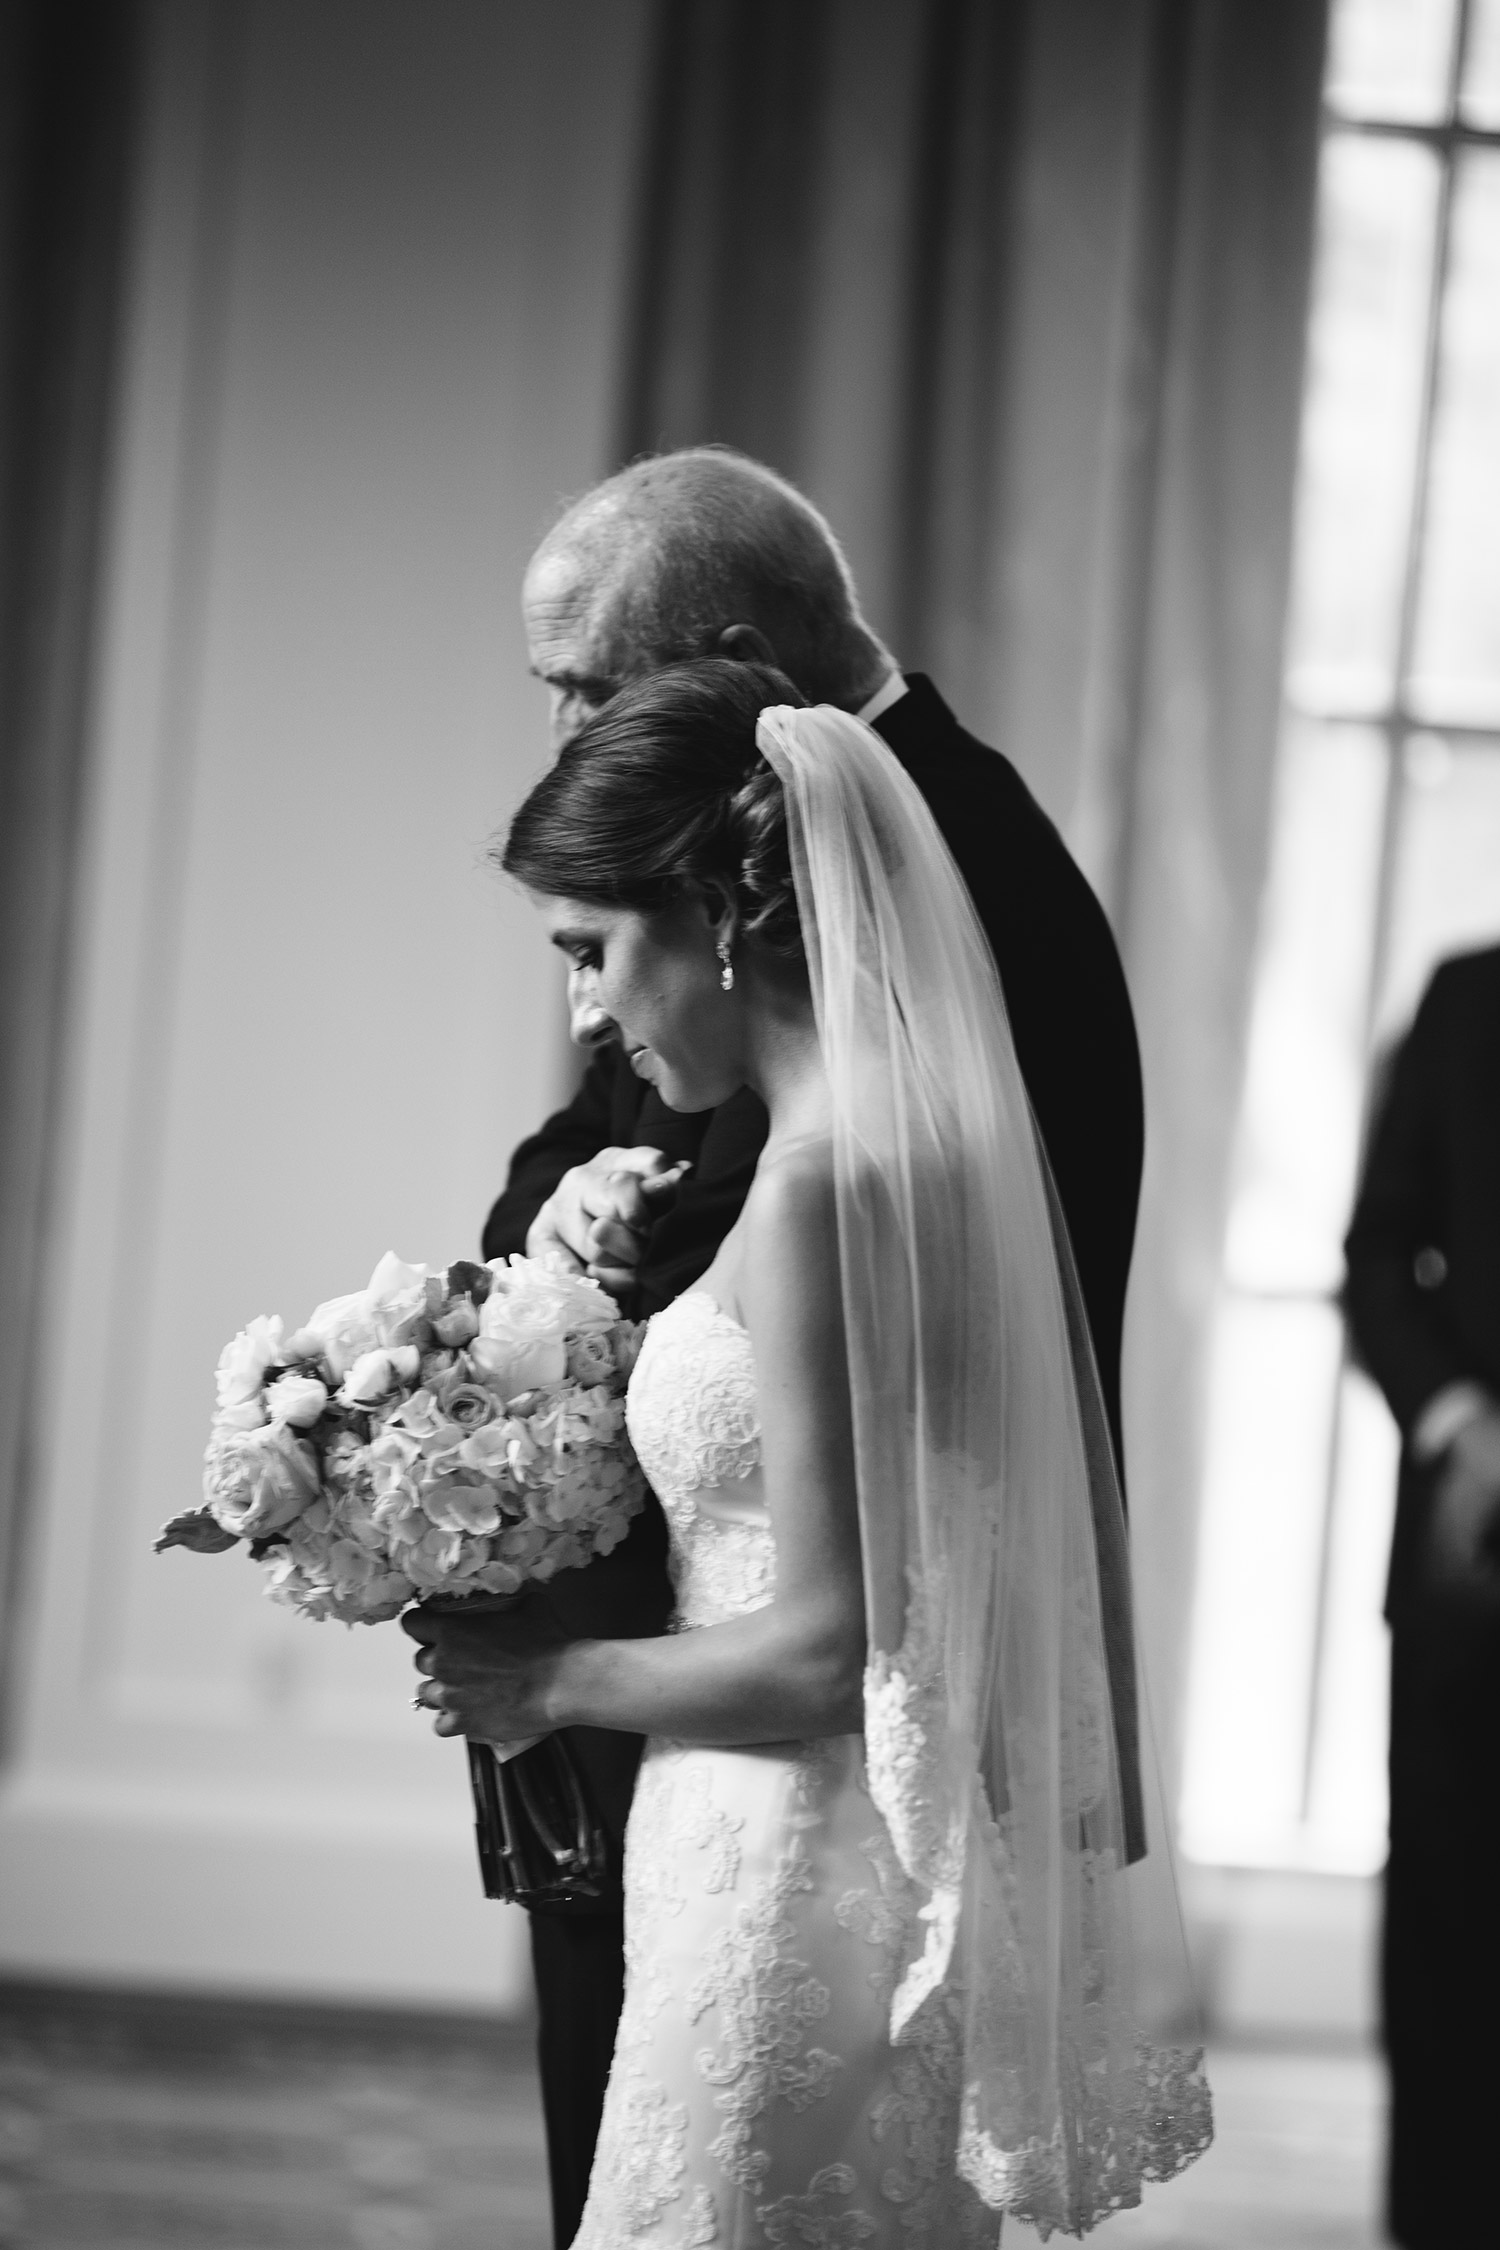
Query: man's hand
<point>599,1215</point>
<point>1466,1509</point>
<point>487,1672</point>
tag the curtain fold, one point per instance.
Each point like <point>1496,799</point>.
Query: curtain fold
<point>1194,764</point>
<point>67,81</point>
<point>1016,290</point>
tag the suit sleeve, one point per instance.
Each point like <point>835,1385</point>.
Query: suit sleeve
<point>570,1136</point>
<point>1397,1324</point>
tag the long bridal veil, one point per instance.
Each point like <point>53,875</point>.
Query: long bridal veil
<point>1002,1754</point>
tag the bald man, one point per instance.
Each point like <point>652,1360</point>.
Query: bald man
<point>704,552</point>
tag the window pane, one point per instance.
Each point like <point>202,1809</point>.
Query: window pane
<point>1299,1117</point>
<point>1457,661</point>
<point>1347,1800</point>
<point>1271,1392</point>
<point>1447,888</point>
<point>1377,204</point>
<point>1481,101</point>
<point>1390,58</point>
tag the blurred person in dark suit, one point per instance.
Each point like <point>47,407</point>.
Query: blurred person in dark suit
<point>1423,1300</point>
<point>699,553</point>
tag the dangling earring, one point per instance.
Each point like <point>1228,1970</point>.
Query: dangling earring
<point>726,966</point>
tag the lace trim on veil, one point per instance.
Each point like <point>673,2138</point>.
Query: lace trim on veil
<point>1148,2121</point>
<point>1168,2127</point>
<point>1001,1754</point>
<point>1145,2122</point>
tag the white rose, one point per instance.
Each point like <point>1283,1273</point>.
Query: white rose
<point>510,1365</point>
<point>591,1356</point>
<point>397,1297</point>
<point>467,1403</point>
<point>375,1374</point>
<point>259,1481</point>
<point>532,1298</point>
<point>298,1399</point>
<point>243,1363</point>
<point>343,1328</point>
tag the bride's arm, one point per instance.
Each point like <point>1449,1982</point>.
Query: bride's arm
<point>793,1668</point>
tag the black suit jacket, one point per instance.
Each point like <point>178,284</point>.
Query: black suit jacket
<point>1422,1292</point>
<point>1075,1040</point>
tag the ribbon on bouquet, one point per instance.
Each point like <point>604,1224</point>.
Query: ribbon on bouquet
<point>503,1752</point>
<point>539,1839</point>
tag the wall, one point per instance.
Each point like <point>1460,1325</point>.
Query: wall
<point>372,311</point>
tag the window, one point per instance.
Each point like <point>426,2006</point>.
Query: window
<point>1385,857</point>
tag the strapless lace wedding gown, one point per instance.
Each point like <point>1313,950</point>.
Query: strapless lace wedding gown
<point>755,2097</point>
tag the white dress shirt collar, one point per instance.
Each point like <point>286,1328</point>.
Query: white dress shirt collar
<point>891,690</point>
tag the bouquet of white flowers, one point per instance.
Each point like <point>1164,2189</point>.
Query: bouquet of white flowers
<point>449,1434</point>
<point>457,1435</point>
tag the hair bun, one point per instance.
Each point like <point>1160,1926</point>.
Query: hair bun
<point>768,898</point>
<point>664,791</point>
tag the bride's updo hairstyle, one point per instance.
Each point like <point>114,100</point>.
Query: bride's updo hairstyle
<point>664,788</point>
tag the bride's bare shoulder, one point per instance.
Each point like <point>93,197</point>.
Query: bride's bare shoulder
<point>791,1221</point>
<point>793,1181</point>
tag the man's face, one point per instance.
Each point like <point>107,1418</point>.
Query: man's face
<point>567,642</point>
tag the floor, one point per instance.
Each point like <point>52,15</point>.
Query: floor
<point>129,2123</point>
<point>1295,2163</point>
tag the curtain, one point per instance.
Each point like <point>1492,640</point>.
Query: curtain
<point>1017,292</point>
<point>66,84</point>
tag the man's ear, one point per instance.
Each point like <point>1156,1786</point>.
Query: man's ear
<point>747,644</point>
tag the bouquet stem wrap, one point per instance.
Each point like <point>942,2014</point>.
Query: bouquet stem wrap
<point>539,1839</point>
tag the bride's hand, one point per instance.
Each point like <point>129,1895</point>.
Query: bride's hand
<point>488,1674</point>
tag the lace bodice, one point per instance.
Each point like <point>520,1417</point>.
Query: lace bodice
<point>695,1423</point>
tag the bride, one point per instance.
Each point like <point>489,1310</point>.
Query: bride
<point>878,1906</point>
